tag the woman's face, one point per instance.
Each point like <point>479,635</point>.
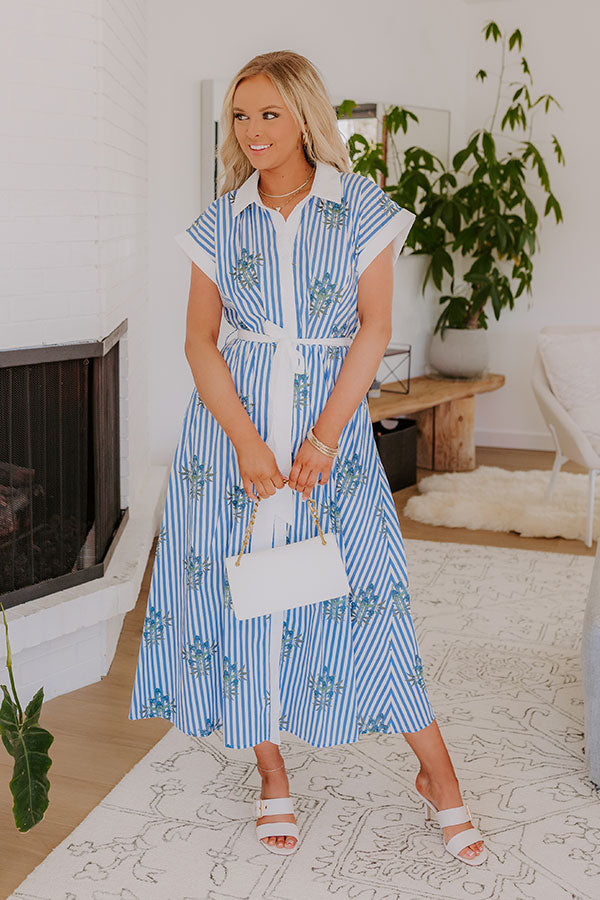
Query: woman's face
<point>261,118</point>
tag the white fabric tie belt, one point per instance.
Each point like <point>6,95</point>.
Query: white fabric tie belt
<point>275,511</point>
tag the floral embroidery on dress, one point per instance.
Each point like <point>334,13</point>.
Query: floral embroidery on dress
<point>209,726</point>
<point>301,392</point>
<point>159,705</point>
<point>196,475</point>
<point>416,676</point>
<point>200,401</point>
<point>364,604</point>
<point>231,195</point>
<point>333,510</point>
<point>324,688</point>
<point>233,674</point>
<point>335,608</point>
<point>247,403</point>
<point>401,600</point>
<point>350,474</point>
<point>335,214</point>
<point>338,330</point>
<point>199,655</point>
<point>195,567</point>
<point>334,351</point>
<point>245,272</point>
<point>227,600</point>
<point>389,205</point>
<point>162,537</point>
<point>289,640</point>
<point>155,624</point>
<point>380,514</point>
<point>238,500</point>
<point>373,725</point>
<point>323,292</point>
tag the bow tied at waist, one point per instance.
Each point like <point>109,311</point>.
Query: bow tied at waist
<point>276,511</point>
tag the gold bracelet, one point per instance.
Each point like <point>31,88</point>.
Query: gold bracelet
<point>331,452</point>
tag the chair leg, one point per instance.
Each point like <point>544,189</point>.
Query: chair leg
<point>559,461</point>
<point>590,509</point>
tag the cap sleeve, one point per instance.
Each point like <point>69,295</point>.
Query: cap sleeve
<point>381,221</point>
<point>198,241</point>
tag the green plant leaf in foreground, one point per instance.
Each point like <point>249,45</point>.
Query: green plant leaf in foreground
<point>28,743</point>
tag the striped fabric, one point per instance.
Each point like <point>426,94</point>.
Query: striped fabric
<point>327,672</point>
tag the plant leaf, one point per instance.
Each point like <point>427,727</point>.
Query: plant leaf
<point>28,744</point>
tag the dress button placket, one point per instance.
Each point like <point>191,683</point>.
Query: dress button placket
<point>285,232</point>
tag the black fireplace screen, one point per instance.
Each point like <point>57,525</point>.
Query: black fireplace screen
<point>59,473</point>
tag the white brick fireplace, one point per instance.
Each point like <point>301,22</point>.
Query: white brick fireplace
<point>73,259</point>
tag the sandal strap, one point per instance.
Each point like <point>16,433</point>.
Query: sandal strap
<point>273,806</point>
<point>463,839</point>
<point>277,828</point>
<point>457,815</point>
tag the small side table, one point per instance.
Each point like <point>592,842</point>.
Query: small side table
<point>445,413</point>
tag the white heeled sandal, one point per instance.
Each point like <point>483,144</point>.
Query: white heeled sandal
<point>274,806</point>
<point>456,816</point>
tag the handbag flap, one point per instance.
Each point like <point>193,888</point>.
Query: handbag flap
<point>287,576</point>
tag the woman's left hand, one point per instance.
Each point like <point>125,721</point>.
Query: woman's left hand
<point>305,471</point>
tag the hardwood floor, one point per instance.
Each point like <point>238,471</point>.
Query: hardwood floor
<point>95,744</point>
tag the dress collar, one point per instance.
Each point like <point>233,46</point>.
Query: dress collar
<point>326,184</point>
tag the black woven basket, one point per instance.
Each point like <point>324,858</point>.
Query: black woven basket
<point>397,448</point>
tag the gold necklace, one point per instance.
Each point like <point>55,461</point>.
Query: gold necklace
<point>295,191</point>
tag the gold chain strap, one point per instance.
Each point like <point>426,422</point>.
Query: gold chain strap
<point>313,509</point>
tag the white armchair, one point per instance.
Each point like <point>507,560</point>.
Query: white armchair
<point>571,441</point>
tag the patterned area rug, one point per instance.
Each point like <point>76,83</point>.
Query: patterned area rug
<point>499,633</point>
<point>497,499</point>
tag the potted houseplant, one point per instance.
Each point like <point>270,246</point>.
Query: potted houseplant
<point>28,743</point>
<point>478,212</point>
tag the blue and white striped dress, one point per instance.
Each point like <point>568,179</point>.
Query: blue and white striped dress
<point>328,672</point>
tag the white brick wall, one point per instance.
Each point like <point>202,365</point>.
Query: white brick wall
<point>122,169</point>
<point>48,175</point>
<point>73,187</point>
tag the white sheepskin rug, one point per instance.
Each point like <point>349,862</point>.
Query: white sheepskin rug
<point>496,499</point>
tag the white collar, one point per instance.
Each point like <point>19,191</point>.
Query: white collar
<point>326,183</point>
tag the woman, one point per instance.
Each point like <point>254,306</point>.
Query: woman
<point>298,253</point>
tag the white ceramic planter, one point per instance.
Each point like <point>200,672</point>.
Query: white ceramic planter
<point>461,353</point>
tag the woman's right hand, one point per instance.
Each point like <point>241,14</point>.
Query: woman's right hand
<point>258,466</point>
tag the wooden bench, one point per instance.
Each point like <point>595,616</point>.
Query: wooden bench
<point>445,412</point>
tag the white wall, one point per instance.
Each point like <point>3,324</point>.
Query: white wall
<point>50,286</point>
<point>73,186</point>
<point>420,54</point>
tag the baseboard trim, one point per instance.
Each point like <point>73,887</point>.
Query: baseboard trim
<point>513,440</point>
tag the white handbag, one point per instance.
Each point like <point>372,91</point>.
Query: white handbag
<point>279,578</point>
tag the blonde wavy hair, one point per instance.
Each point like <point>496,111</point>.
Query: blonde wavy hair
<point>304,94</point>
